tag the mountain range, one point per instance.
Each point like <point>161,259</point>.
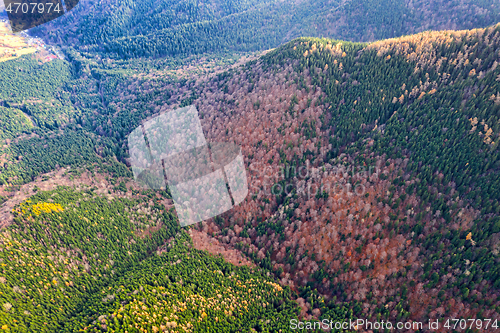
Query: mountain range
<point>372,167</point>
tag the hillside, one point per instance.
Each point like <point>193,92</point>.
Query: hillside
<point>373,173</point>
<point>12,46</point>
<point>179,27</point>
<point>402,134</point>
<point>415,238</point>
<point>75,272</point>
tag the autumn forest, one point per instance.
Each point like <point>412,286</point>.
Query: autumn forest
<point>371,152</point>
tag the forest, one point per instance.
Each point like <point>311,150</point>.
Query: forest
<point>119,29</point>
<point>64,269</point>
<point>372,168</point>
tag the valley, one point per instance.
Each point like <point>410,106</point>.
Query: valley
<point>372,168</point>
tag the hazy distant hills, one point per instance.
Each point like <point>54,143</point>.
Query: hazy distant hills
<point>131,28</point>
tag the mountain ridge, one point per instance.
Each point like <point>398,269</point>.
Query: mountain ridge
<point>241,24</point>
<point>372,172</point>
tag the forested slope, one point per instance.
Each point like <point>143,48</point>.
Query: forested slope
<point>395,205</point>
<point>373,174</point>
<point>38,129</point>
<point>74,260</point>
<point>172,27</point>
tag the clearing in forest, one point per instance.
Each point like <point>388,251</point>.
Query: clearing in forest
<point>12,46</point>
